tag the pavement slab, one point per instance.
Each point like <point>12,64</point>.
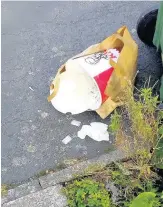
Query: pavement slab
<point>21,190</point>
<point>49,197</point>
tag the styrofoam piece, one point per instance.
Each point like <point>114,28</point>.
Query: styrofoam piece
<point>85,130</point>
<point>31,88</point>
<point>76,123</point>
<point>66,140</point>
<point>100,126</point>
<point>96,130</point>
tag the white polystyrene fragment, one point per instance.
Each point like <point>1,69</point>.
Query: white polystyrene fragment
<point>96,130</point>
<point>31,88</point>
<point>100,126</point>
<point>84,131</point>
<point>76,123</point>
<point>66,140</point>
<point>133,30</point>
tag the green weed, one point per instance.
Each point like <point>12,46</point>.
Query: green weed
<point>6,187</point>
<point>143,136</point>
<point>87,193</point>
<point>4,190</point>
<point>146,199</point>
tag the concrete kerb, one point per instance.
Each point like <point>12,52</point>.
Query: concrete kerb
<point>79,169</point>
<point>55,179</point>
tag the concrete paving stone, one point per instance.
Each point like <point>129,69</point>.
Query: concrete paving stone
<point>21,190</point>
<point>50,197</point>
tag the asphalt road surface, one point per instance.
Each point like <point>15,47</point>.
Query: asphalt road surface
<point>37,37</point>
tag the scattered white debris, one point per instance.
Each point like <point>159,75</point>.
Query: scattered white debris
<point>100,126</point>
<point>44,115</point>
<point>76,123</point>
<point>84,131</point>
<point>3,169</point>
<point>31,148</point>
<point>133,31</point>
<point>84,152</point>
<point>96,130</point>
<point>31,88</point>
<point>31,73</point>
<point>66,140</point>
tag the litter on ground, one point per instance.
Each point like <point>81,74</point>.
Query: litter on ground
<point>66,140</point>
<point>76,123</point>
<point>31,88</point>
<point>93,79</point>
<point>96,130</point>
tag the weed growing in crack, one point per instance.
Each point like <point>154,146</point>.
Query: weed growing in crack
<point>144,124</point>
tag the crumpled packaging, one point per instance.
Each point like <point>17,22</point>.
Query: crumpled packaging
<point>124,70</point>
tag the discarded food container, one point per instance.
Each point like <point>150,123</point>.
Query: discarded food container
<point>83,83</point>
<point>93,79</point>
